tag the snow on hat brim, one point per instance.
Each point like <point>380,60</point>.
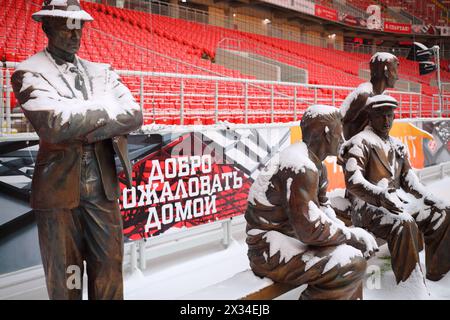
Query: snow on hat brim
<point>68,14</point>
<point>381,100</point>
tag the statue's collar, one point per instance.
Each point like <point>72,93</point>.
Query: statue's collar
<point>59,60</point>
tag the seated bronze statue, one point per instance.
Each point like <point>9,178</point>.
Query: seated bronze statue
<point>389,201</point>
<point>293,234</point>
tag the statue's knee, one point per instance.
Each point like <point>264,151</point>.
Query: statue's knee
<point>359,265</point>
<point>355,269</point>
<point>355,262</point>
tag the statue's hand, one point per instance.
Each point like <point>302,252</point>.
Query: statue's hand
<point>364,241</point>
<point>388,202</point>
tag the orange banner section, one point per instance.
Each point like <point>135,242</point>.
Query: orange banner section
<point>408,133</point>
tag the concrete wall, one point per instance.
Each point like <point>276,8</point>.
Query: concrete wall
<point>216,17</point>
<point>261,67</point>
<point>248,65</point>
<point>288,73</point>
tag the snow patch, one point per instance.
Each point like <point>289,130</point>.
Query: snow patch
<point>342,256</point>
<point>363,236</point>
<point>254,232</point>
<point>288,247</point>
<point>317,215</point>
<point>46,97</point>
<point>338,200</point>
<point>415,287</point>
<point>383,183</point>
<point>319,110</point>
<point>351,165</point>
<point>383,57</point>
<point>356,151</point>
<point>310,260</point>
<point>296,157</point>
<point>259,187</point>
<point>365,87</point>
<point>288,188</point>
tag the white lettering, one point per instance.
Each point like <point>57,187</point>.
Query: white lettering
<point>132,203</point>
<point>152,213</point>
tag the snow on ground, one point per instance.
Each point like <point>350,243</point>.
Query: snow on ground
<point>210,272</point>
<point>177,277</point>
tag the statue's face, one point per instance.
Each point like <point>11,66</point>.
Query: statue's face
<point>64,35</point>
<point>381,120</point>
<point>336,138</point>
<point>391,73</point>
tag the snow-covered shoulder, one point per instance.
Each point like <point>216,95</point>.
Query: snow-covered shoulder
<point>365,87</point>
<point>96,67</point>
<point>257,192</point>
<point>33,63</point>
<point>39,63</point>
<point>355,144</point>
<point>296,158</point>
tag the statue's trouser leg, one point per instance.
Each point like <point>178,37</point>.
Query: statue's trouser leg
<point>401,235</point>
<point>340,282</point>
<point>61,243</point>
<point>102,235</point>
<point>90,232</point>
<point>436,230</point>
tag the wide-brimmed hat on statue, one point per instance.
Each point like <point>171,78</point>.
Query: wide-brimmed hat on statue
<point>381,100</point>
<point>70,9</point>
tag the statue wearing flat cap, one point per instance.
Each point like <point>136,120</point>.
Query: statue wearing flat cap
<point>82,113</point>
<point>389,201</point>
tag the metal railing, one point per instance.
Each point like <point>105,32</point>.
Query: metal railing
<point>183,99</point>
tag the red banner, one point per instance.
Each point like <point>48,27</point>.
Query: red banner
<point>326,13</point>
<point>352,20</point>
<point>181,191</point>
<point>397,27</point>
<point>186,179</point>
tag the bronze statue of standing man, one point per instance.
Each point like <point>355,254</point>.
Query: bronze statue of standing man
<point>82,113</point>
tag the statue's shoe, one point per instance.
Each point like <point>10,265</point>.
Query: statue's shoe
<point>434,277</point>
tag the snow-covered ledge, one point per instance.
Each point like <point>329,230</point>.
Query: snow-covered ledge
<point>29,283</point>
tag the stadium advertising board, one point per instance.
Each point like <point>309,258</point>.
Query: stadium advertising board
<point>192,178</point>
<point>303,6</point>
<point>443,31</point>
<point>186,179</point>
<point>397,27</point>
<point>352,20</point>
<point>326,13</point>
<point>436,150</point>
